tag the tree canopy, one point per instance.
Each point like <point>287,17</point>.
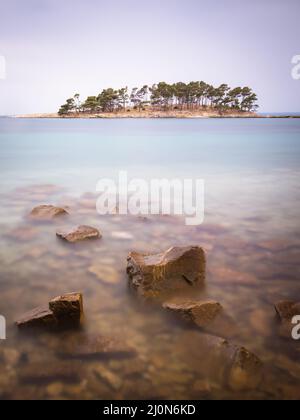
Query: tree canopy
<point>163,96</point>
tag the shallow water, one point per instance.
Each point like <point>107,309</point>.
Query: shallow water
<point>251,235</point>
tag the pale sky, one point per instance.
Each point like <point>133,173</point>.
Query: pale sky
<point>56,48</point>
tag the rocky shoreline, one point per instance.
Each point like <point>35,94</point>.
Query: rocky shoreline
<point>158,115</point>
<point>149,114</point>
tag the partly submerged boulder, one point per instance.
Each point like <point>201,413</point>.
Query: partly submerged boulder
<point>67,308</point>
<point>62,311</point>
<point>202,313</point>
<point>47,212</point>
<point>78,234</point>
<point>173,269</point>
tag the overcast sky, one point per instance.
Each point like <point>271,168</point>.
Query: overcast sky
<point>56,48</point>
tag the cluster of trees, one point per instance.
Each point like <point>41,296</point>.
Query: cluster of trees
<point>164,96</point>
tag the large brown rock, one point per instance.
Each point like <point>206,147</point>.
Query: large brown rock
<point>78,234</point>
<point>200,313</point>
<point>67,308</point>
<point>173,269</point>
<point>62,311</point>
<point>47,212</point>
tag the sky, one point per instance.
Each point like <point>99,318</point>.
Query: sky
<point>53,49</point>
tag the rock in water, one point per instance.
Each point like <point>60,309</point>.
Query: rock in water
<point>287,309</point>
<point>100,347</point>
<point>47,212</point>
<point>178,266</point>
<point>63,311</point>
<point>246,371</point>
<point>80,233</point>
<point>41,317</point>
<point>201,313</point>
<point>67,308</point>
<point>225,363</point>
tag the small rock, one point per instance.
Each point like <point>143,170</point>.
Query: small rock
<point>80,233</point>
<point>104,273</point>
<point>41,317</point>
<point>62,311</point>
<point>287,309</point>
<point>112,379</point>
<point>201,313</point>
<point>175,268</point>
<point>202,388</point>
<point>246,371</point>
<point>47,212</point>
<point>11,356</point>
<point>55,389</point>
<point>102,348</point>
<point>44,373</point>
<point>219,360</point>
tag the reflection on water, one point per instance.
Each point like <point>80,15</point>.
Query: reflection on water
<point>252,239</point>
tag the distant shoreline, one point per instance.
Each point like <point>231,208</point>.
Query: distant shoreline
<point>133,114</point>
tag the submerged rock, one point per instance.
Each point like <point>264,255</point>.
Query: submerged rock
<point>80,233</point>
<point>41,373</point>
<point>226,364</point>
<point>47,212</point>
<point>110,378</point>
<point>62,311</point>
<point>100,348</point>
<point>104,273</point>
<point>175,268</point>
<point>201,313</point>
<point>245,372</point>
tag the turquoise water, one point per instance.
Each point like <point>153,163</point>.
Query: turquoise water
<point>251,234</point>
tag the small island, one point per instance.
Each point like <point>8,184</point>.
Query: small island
<point>165,100</point>
<point>162,100</point>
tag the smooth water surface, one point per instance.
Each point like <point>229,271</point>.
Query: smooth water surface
<point>251,235</point>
